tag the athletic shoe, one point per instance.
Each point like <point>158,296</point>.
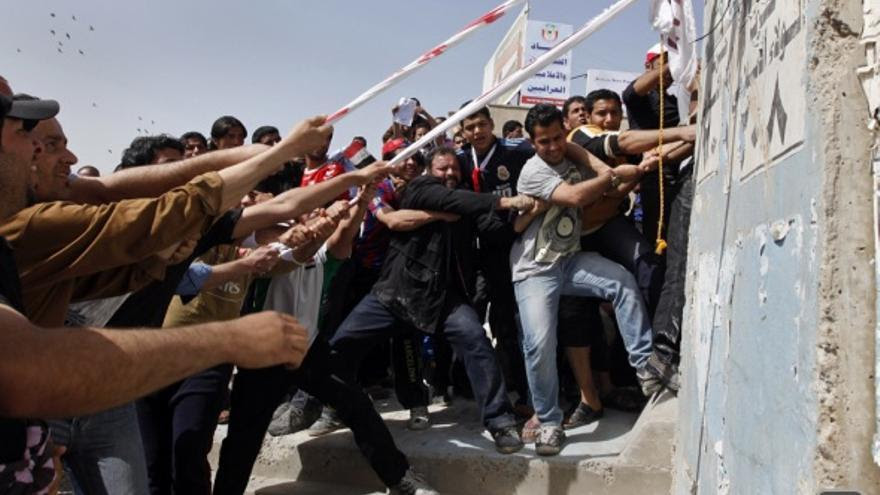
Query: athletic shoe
<point>507,440</point>
<point>419,419</point>
<point>649,381</point>
<point>303,416</point>
<point>291,417</point>
<point>327,423</point>
<point>280,424</point>
<point>412,483</point>
<point>550,440</point>
<point>582,415</point>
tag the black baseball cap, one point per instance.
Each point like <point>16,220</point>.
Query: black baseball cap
<point>27,107</point>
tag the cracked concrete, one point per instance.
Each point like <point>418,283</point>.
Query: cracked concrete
<point>616,456</point>
<point>779,340</point>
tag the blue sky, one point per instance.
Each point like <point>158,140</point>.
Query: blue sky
<point>174,66</point>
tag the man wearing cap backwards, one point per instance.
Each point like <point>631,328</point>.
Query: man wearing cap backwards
<point>63,372</point>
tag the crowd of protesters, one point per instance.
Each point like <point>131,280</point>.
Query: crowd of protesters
<point>292,283</point>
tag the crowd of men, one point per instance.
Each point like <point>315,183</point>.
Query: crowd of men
<point>288,282</point>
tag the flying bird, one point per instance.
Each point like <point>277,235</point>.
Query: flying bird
<point>51,14</point>
<point>81,52</point>
<point>60,44</point>
<point>94,105</point>
<point>67,34</point>
<point>52,31</point>
<point>91,28</point>
<point>73,17</point>
<point>140,118</point>
<point>18,49</point>
<point>59,51</point>
<point>109,151</point>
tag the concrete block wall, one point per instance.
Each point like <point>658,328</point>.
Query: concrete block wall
<point>779,344</point>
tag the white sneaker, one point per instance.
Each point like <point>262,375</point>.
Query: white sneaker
<point>412,483</point>
<point>419,419</point>
<point>550,440</point>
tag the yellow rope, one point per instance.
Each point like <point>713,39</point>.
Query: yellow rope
<point>661,243</point>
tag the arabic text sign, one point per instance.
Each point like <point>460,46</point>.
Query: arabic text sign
<point>552,84</point>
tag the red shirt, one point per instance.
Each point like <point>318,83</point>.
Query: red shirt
<point>320,174</point>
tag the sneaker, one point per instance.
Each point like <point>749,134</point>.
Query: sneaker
<point>582,415</point>
<point>507,440</point>
<point>530,430</point>
<point>550,440</point>
<point>665,371</point>
<point>412,483</point>
<point>303,416</point>
<point>327,423</point>
<point>280,424</point>
<point>648,381</point>
<point>418,419</point>
<point>292,417</point>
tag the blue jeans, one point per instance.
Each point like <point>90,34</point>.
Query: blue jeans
<point>583,274</point>
<point>104,452</point>
<point>370,323</point>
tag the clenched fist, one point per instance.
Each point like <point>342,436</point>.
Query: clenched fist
<point>307,137</point>
<point>267,339</point>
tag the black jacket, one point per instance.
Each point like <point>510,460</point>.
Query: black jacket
<point>429,269</point>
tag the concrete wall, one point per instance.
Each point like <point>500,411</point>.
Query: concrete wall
<point>778,346</point>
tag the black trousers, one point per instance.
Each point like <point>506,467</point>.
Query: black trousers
<point>256,394</point>
<point>502,317</point>
<point>667,320</point>
<point>353,281</point>
<point>177,426</point>
<point>371,322</point>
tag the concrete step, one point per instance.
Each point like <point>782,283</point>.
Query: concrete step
<point>262,486</point>
<point>617,455</point>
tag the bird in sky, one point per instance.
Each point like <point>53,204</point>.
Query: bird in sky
<point>73,17</point>
<point>52,31</point>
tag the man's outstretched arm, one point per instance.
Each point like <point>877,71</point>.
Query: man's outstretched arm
<point>153,180</point>
<point>297,201</point>
<point>634,141</point>
<point>51,373</point>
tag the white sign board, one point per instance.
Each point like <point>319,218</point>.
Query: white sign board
<point>551,85</point>
<point>508,57</point>
<point>755,78</point>
<point>616,81</point>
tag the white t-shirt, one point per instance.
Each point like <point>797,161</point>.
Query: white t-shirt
<point>298,292</point>
<point>554,234</point>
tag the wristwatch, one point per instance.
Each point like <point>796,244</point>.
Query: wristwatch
<point>615,180</point>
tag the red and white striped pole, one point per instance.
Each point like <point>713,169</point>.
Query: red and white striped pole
<point>488,18</point>
<point>515,79</point>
